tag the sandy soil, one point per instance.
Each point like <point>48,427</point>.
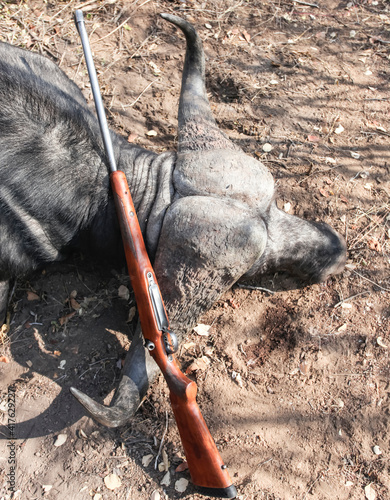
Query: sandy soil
<point>295,384</point>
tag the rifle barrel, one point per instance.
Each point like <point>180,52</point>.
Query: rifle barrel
<point>79,20</point>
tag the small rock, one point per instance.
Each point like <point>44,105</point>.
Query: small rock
<point>355,155</point>
<point>352,33</point>
<point>61,438</point>
<point>47,487</point>
<point>267,147</point>
<point>151,133</point>
<point>181,485</point>
<point>339,129</point>
<point>377,450</point>
<point>155,495</point>
<point>287,207</point>
<point>112,481</point>
<point>237,378</point>
<point>349,484</point>
<point>97,496</point>
<point>123,292</point>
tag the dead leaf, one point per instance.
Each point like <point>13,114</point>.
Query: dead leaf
<point>232,303</point>
<point>202,329</point>
<point>324,192</point>
<point>304,368</point>
<point>146,459</point>
<point>132,312</point>
<point>181,485</point>
<point>343,198</point>
<point>246,35</point>
<point>4,359</point>
<point>132,137</point>
<point>166,480</point>
<point>32,296</point>
<point>313,138</point>
<point>112,481</point>
<point>199,364</point>
<point>64,319</point>
<point>74,304</point>
<point>182,467</point>
<point>369,492</point>
<point>188,345</point>
<point>374,244</point>
<point>61,439</point>
<point>380,342</point>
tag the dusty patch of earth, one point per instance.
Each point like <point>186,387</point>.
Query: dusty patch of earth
<point>312,399</point>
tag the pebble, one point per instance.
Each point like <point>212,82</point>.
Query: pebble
<point>377,450</point>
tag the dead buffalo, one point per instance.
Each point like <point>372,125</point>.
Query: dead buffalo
<point>207,212</point>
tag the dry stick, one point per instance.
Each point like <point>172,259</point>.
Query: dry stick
<point>250,287</point>
<point>162,439</point>
<point>350,298</point>
<point>373,282</point>
<point>306,3</point>
<point>139,97</point>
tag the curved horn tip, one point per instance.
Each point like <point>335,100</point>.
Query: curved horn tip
<point>110,417</point>
<point>181,23</point>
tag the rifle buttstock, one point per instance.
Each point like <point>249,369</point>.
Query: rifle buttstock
<point>205,464</point>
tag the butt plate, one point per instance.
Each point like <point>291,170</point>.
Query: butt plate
<point>229,492</point>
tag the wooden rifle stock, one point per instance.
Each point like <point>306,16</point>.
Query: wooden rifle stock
<point>205,464</point>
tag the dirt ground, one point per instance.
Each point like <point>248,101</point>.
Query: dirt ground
<point>293,381</point>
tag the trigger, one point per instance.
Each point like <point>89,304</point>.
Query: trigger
<point>170,341</point>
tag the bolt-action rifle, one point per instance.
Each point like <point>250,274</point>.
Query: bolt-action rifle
<point>205,464</point>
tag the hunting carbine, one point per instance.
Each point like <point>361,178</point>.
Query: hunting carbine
<point>205,464</point>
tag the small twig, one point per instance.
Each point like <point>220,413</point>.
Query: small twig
<point>162,440</point>
<point>250,287</point>
<point>308,4</point>
<point>265,462</point>
<point>139,97</point>
<point>350,298</point>
<point>373,282</point>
